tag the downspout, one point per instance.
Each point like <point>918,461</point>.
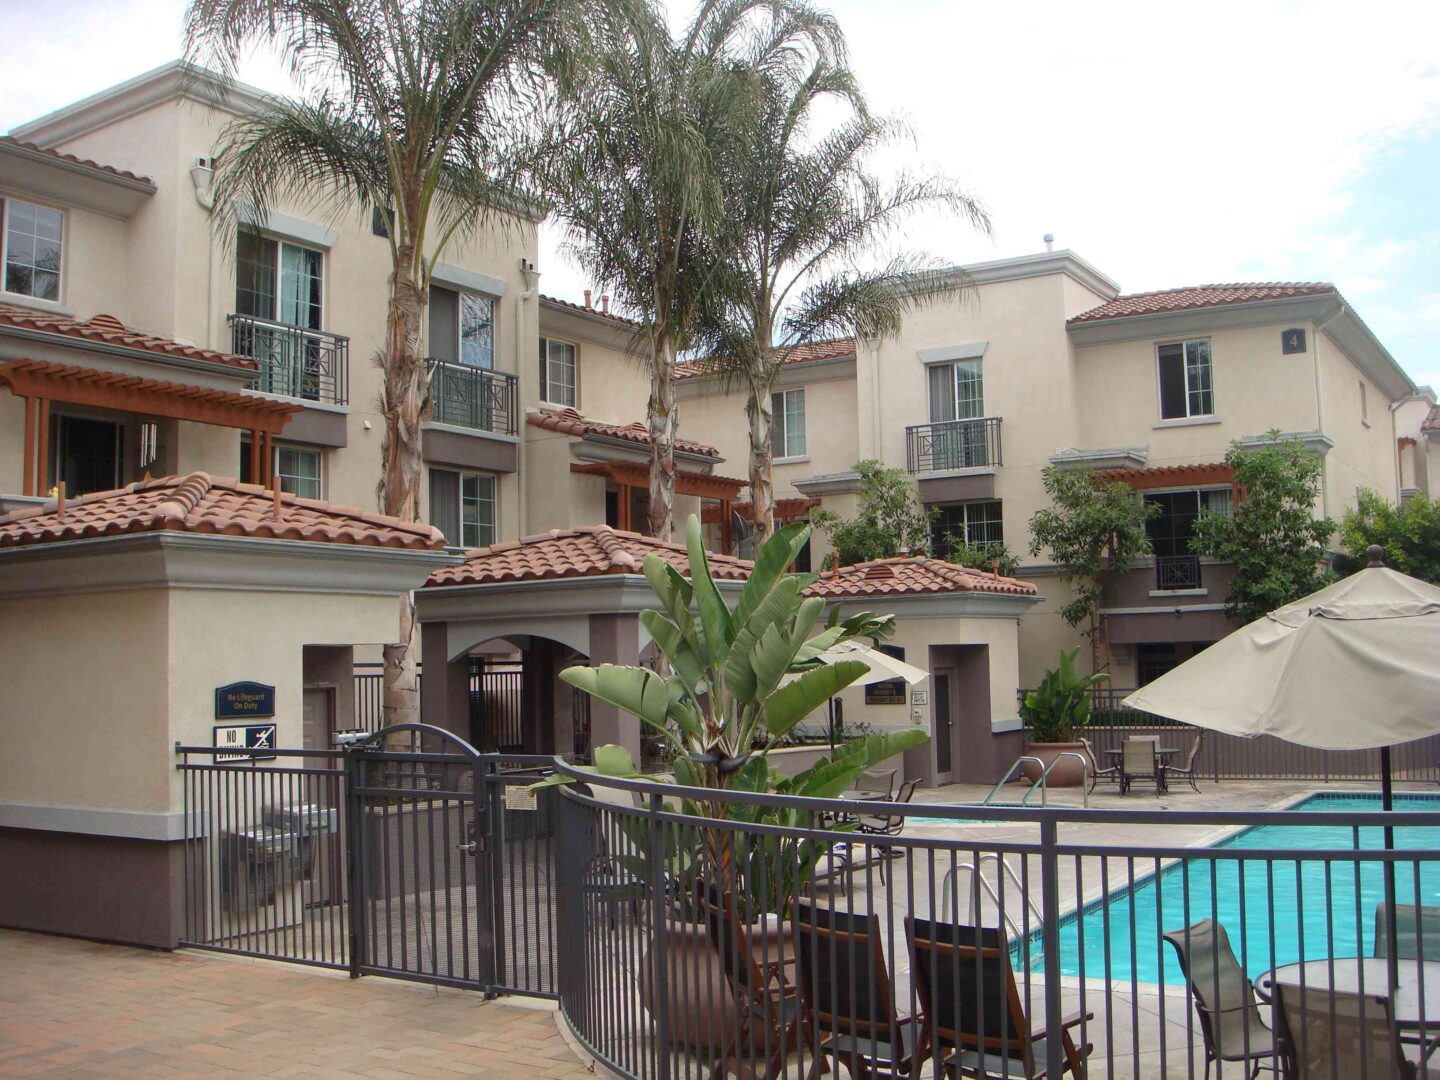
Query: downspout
<point>532,287</point>
<point>202,176</point>
<point>1319,403</point>
<point>876,433</point>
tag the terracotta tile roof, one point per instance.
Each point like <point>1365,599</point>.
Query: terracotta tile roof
<point>594,551</point>
<point>110,330</point>
<point>570,422</point>
<point>199,503</point>
<point>913,575</point>
<point>1200,296</point>
<point>1432,421</point>
<point>108,170</point>
<point>630,324</point>
<point>814,352</point>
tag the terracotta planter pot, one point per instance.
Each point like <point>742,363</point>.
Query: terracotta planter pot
<point>700,1007</point>
<point>1069,773</point>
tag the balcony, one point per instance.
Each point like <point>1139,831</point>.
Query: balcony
<point>953,444</point>
<point>473,397</point>
<point>1173,572</point>
<point>308,364</point>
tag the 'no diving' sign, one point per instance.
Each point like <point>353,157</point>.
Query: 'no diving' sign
<point>257,741</point>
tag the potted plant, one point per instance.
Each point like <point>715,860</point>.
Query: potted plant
<point>739,679</point>
<point>1055,715</point>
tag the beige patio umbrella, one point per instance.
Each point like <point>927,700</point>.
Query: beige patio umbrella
<point>1354,666</point>
<point>883,668</point>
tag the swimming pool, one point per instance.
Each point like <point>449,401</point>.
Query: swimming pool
<point>1187,892</point>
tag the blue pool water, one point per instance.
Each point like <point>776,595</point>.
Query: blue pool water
<point>1292,894</point>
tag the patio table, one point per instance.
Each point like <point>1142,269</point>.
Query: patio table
<point>1415,1003</point>
<point>1163,754</point>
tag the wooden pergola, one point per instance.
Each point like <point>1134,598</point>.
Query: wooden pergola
<point>631,474</point>
<point>40,383</point>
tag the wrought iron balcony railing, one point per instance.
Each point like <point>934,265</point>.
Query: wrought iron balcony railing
<point>293,361</point>
<point>1177,571</point>
<point>473,397</point>
<point>953,444</point>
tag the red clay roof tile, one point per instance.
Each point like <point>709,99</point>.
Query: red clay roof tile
<point>199,503</point>
<point>110,330</point>
<point>913,575</point>
<point>593,551</point>
<point>108,170</point>
<point>1431,421</point>
<point>629,324</point>
<point>570,422</point>
<point>1200,296</point>
<point>812,353</point>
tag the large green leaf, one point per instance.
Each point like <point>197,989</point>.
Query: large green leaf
<point>670,586</point>
<point>671,642</point>
<point>778,606</point>
<point>816,645</point>
<point>636,690</point>
<point>792,703</point>
<point>771,562</point>
<point>714,615</point>
<point>876,747</point>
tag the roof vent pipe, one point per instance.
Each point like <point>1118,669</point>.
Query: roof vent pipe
<point>1049,241</point>
<point>605,303</point>
<point>587,299</point>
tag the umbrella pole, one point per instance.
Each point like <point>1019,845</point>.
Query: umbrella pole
<point>1387,802</point>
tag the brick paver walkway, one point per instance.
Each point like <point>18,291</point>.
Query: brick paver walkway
<point>74,1008</point>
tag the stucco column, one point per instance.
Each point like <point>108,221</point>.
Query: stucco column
<point>445,688</point>
<point>614,639</point>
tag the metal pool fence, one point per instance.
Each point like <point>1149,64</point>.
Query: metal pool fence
<point>1002,941</point>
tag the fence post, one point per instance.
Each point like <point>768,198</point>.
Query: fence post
<point>490,874</point>
<point>1050,924</point>
<point>660,948</point>
<point>354,870</point>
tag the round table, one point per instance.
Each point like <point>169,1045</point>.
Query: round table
<point>1405,1000</point>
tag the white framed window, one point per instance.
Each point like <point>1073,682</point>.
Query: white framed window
<point>957,391</point>
<point>278,280</point>
<point>32,238</point>
<point>463,507</point>
<point>978,524</point>
<point>1186,382</point>
<point>301,471</point>
<point>787,424</point>
<point>558,383</point>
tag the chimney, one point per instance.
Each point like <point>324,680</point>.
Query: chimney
<point>587,299</point>
<point>1049,241</point>
<point>605,303</point>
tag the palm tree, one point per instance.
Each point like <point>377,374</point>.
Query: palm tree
<point>805,210</point>
<point>639,194</point>
<point>426,108</point>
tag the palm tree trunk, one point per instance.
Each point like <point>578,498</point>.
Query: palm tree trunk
<point>663,418</point>
<point>402,403</point>
<point>762,455</point>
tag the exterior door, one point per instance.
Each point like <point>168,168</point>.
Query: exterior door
<point>944,728</point>
<point>317,717</point>
<point>87,454</point>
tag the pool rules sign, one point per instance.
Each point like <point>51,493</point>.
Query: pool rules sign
<point>245,701</point>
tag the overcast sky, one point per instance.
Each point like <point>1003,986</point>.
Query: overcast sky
<point>1169,144</point>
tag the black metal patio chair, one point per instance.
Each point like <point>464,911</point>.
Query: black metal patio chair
<point>881,825</point>
<point>1097,773</point>
<point>1188,769</point>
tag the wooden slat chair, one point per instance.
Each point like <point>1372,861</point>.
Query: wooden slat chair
<point>972,1006</point>
<point>849,1009</point>
<point>767,1008</point>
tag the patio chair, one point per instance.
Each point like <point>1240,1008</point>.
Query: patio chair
<point>849,1010</point>
<point>971,1005</point>
<point>888,825</point>
<point>1417,930</point>
<point>876,780</point>
<point>1339,1035</point>
<point>1110,772</point>
<point>1188,769</point>
<point>767,1010</point>
<point>1230,1020</point>
<point>1138,762</point>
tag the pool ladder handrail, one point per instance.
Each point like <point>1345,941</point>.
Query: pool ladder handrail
<point>980,881</point>
<point>1044,775</point>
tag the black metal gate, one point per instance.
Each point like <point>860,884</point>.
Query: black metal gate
<point>437,861</point>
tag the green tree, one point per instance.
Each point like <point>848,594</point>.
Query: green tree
<point>891,519</point>
<point>638,191</point>
<point>1270,534</point>
<point>806,214</point>
<point>1409,533</point>
<point>1094,530</point>
<point>979,556</point>
<point>424,107</point>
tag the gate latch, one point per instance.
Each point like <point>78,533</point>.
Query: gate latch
<point>476,841</point>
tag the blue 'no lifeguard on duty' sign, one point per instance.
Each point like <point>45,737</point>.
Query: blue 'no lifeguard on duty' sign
<point>244,700</point>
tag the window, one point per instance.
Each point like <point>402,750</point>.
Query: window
<point>299,471</point>
<point>32,242</point>
<point>557,372</point>
<point>462,327</point>
<point>1176,566</point>
<point>957,391</point>
<point>1185,380</point>
<point>978,524</point>
<point>462,506</point>
<point>787,425</point>
<point>277,280</point>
